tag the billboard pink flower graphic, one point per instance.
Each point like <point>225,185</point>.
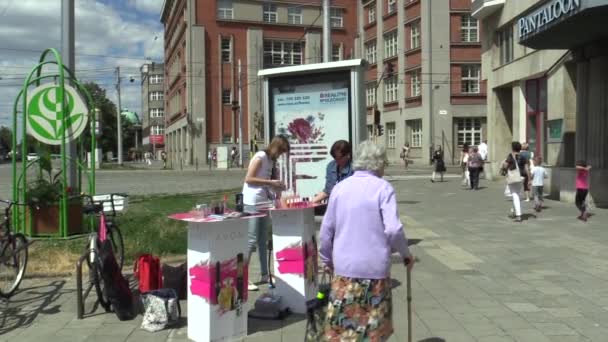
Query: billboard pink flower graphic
<point>304,130</point>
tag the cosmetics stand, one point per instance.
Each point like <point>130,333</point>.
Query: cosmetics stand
<point>295,255</point>
<point>217,277</point>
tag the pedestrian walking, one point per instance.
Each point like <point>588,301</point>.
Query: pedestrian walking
<point>439,164</point>
<point>233,155</point>
<point>405,154</point>
<point>515,167</point>
<point>164,157</point>
<point>582,189</point>
<point>360,230</point>
<point>464,162</point>
<point>210,159</point>
<point>483,150</point>
<point>474,165</point>
<point>538,181</point>
<point>525,155</point>
<point>261,186</point>
<point>214,157</point>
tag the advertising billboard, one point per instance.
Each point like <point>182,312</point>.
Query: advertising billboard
<point>313,109</point>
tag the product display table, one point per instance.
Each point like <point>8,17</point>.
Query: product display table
<point>217,276</point>
<point>295,255</point>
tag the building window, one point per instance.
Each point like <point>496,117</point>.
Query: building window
<point>391,135</point>
<point>415,35</point>
<point>370,95</point>
<point>392,6</point>
<point>415,83</point>
<point>226,97</point>
<point>294,15</point>
<point>269,13</point>
<point>415,129</point>
<point>157,113</point>
<point>157,130</point>
<point>370,52</point>
<point>470,78</point>
<point>156,79</point>
<point>469,131</point>
<point>390,44</point>
<point>391,87</point>
<point>224,9</point>
<point>371,13</point>
<point>505,45</point>
<point>277,53</point>
<point>156,96</point>
<point>336,52</point>
<point>469,29</point>
<point>226,50</point>
<point>335,17</point>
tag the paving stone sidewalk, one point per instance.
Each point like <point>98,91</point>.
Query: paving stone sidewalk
<point>481,277</point>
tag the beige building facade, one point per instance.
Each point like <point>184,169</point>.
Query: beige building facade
<point>542,62</point>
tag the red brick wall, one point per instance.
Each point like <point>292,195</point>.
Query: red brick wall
<point>413,59</point>
<point>465,53</point>
<point>390,23</point>
<point>460,4</point>
<point>412,10</point>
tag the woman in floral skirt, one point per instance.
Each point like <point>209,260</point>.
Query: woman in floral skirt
<point>360,230</point>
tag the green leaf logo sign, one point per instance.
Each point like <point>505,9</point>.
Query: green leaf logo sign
<point>45,114</point>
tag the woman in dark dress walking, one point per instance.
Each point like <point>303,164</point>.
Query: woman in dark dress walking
<point>439,163</point>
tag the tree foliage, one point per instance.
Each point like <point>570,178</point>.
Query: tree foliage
<point>6,139</point>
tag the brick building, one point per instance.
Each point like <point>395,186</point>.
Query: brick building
<point>435,95</point>
<point>205,39</point>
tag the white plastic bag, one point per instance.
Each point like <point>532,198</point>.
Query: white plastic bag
<point>161,309</point>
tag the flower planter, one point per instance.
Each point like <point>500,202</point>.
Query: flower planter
<point>45,220</point>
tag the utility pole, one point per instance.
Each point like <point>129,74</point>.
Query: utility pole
<point>240,114</point>
<point>67,54</point>
<point>118,117</point>
<point>326,32</point>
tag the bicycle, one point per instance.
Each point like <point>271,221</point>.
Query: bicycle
<point>13,254</point>
<point>105,207</point>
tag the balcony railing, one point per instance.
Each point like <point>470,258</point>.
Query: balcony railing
<point>483,8</point>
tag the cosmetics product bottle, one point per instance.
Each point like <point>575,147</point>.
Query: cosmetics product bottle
<point>240,281</point>
<point>218,282</point>
<point>240,206</point>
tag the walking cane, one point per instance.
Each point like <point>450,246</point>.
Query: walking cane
<point>409,302</point>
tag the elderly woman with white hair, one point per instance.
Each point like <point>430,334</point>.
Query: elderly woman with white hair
<point>360,231</point>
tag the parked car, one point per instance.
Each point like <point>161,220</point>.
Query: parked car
<point>32,157</point>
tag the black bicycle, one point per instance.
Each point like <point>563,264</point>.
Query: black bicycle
<point>105,208</point>
<point>13,254</point>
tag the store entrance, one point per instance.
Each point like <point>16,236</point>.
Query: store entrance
<point>536,114</point>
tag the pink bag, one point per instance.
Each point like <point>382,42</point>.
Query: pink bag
<point>103,230</point>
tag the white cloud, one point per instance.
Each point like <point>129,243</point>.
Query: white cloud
<point>29,26</point>
<point>148,6</point>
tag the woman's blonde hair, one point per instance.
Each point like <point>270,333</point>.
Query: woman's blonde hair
<point>278,145</point>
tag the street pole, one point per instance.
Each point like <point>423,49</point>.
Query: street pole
<point>118,118</point>
<point>326,32</point>
<point>67,54</point>
<point>430,80</point>
<point>240,114</point>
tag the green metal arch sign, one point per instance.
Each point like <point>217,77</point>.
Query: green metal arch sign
<point>45,114</point>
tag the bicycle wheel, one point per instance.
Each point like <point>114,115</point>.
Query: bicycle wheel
<point>118,246</point>
<point>13,261</point>
<point>96,278</point>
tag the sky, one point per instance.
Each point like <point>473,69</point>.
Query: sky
<point>108,34</point>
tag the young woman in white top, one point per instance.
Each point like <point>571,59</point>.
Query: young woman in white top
<point>260,186</point>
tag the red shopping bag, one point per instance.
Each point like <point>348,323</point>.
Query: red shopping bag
<point>147,270</point>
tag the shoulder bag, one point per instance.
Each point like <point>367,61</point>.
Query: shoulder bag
<point>514,176</point>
